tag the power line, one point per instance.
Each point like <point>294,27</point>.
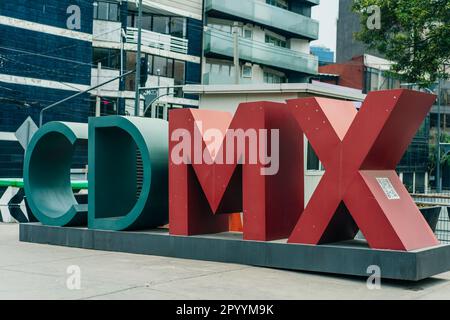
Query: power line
<point>46,56</point>
<point>35,66</point>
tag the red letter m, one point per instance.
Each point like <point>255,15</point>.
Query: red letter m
<point>216,168</point>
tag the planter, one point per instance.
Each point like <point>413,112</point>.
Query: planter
<point>431,214</point>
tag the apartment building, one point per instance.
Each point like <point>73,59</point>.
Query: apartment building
<point>270,38</point>
<point>171,52</point>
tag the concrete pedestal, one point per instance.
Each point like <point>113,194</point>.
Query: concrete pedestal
<point>346,258</point>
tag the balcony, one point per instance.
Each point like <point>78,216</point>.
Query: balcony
<point>270,16</point>
<point>313,2</point>
<point>220,44</point>
<point>158,41</point>
<point>223,78</point>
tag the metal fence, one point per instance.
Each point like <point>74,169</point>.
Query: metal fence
<point>441,199</point>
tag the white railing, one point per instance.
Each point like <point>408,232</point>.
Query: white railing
<point>158,40</point>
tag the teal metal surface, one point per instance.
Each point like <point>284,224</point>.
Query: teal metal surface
<point>267,15</point>
<point>118,200</point>
<point>46,178</point>
<point>221,43</point>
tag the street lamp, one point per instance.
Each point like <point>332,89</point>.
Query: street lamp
<point>138,62</point>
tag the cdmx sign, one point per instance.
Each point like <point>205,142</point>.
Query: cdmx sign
<point>204,165</point>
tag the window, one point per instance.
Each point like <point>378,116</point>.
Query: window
<point>312,161</point>
<point>113,14</point>
<point>175,26</point>
<point>147,22</point>
<point>273,78</point>
<point>247,71</point>
<point>278,3</point>
<point>275,41</point>
<point>131,65</point>
<point>150,64</point>
<point>160,111</point>
<point>433,120</point>
<point>179,72</point>
<point>104,10</point>
<point>222,68</point>
<point>131,21</point>
<point>373,81</point>
<point>178,27</point>
<point>161,24</point>
<point>168,68</point>
<point>160,66</point>
<point>109,58</point>
<point>169,71</point>
<point>248,34</point>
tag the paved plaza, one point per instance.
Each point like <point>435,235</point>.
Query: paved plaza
<point>32,271</point>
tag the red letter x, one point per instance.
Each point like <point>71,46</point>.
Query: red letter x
<point>360,188</point>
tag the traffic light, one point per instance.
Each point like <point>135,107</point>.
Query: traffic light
<point>144,71</point>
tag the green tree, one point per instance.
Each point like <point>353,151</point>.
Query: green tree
<point>445,158</point>
<point>414,34</point>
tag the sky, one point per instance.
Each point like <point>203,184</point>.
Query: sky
<point>327,13</point>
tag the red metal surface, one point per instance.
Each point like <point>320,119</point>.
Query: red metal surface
<point>356,148</point>
<point>200,195</point>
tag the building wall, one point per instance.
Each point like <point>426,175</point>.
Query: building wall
<point>351,73</point>
<point>48,12</point>
<point>188,8</point>
<point>42,61</point>
<point>349,23</point>
<point>195,37</point>
<point>25,55</point>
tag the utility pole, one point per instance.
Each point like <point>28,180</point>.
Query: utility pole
<point>137,101</point>
<point>159,77</point>
<point>379,78</point>
<point>98,99</point>
<point>122,50</point>
<point>438,155</point>
<point>123,39</point>
<point>236,52</point>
